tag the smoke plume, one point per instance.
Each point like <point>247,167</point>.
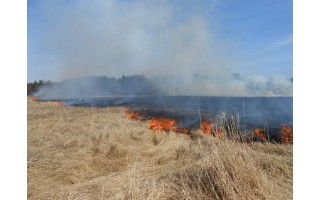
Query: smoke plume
<point>176,50</point>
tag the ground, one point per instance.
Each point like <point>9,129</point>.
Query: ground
<point>99,153</point>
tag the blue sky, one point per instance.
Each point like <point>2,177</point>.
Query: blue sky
<point>262,33</point>
<point>247,36</point>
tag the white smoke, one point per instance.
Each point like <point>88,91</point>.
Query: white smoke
<point>116,38</point>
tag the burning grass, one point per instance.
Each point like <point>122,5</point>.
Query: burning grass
<point>226,127</point>
<point>162,124</point>
<point>98,153</point>
<point>258,132</point>
<point>34,98</point>
<point>206,127</point>
<point>132,115</point>
<point>59,103</point>
<point>286,135</point>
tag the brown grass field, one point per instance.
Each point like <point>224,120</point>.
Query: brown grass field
<point>99,153</point>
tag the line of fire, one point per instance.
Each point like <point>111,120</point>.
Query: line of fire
<point>223,127</point>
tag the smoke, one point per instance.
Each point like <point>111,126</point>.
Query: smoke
<point>174,47</point>
<point>204,85</point>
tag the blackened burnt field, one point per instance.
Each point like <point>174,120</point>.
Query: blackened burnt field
<point>253,112</point>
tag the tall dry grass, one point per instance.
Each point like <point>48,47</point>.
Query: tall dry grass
<point>98,153</point>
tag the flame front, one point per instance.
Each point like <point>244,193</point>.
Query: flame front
<point>131,115</point>
<point>59,103</point>
<point>35,99</point>
<point>286,135</point>
<point>259,133</point>
<point>162,124</point>
<point>206,127</point>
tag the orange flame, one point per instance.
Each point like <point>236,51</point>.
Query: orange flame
<point>206,127</point>
<point>259,133</point>
<point>132,115</point>
<point>162,124</point>
<point>35,99</point>
<point>60,103</point>
<point>286,135</point>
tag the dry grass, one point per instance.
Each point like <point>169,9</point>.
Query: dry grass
<point>98,153</point>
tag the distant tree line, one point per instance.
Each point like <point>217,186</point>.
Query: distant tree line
<point>96,85</point>
<point>33,87</point>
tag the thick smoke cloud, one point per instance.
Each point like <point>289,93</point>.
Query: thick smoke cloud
<point>177,51</point>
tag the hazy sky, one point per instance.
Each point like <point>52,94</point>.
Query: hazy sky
<point>77,38</point>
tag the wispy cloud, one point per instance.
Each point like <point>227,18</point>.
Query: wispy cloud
<point>281,43</point>
<point>273,46</point>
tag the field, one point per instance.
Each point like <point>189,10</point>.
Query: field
<point>99,153</point>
